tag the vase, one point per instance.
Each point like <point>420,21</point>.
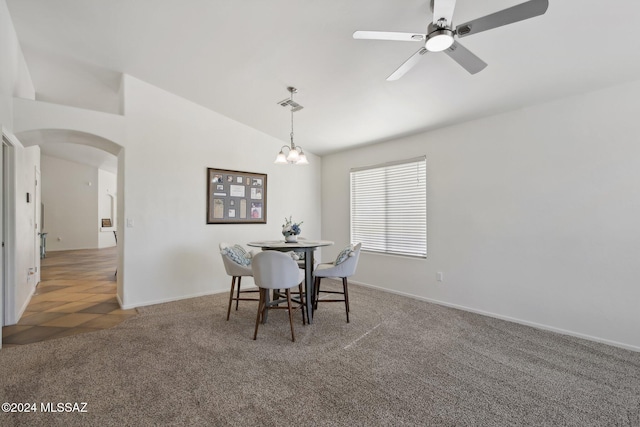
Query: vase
<point>291,238</point>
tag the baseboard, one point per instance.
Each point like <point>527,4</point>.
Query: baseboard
<point>22,309</point>
<point>120,302</point>
<point>507,318</point>
<point>166,300</point>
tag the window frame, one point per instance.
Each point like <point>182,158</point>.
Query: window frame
<point>388,233</point>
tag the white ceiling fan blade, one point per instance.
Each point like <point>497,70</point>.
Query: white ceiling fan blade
<point>407,65</point>
<point>507,16</point>
<point>465,58</point>
<point>443,9</point>
<point>385,35</point>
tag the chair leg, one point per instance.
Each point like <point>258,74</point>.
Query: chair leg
<point>345,293</point>
<point>233,284</point>
<point>302,304</point>
<point>316,291</point>
<point>260,313</point>
<point>238,292</point>
<point>345,289</point>
<point>288,292</point>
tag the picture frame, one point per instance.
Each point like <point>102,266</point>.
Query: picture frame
<point>236,197</point>
<point>106,222</point>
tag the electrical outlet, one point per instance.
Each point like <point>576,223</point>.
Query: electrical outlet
<point>440,276</point>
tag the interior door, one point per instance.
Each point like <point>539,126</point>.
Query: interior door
<point>3,280</point>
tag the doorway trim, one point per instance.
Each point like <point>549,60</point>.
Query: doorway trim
<point>9,142</point>
<point>37,202</point>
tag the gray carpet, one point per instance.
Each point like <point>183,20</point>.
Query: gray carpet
<point>399,362</point>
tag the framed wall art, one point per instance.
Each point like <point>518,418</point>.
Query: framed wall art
<point>235,197</point>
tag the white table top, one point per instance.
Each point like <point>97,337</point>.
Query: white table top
<point>281,244</point>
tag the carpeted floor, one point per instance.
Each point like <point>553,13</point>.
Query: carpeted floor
<point>399,362</point>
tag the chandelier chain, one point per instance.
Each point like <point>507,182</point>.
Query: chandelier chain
<point>293,146</point>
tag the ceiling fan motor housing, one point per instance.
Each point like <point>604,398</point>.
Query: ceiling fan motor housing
<point>438,38</point>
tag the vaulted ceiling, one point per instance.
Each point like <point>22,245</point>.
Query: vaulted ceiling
<point>238,57</point>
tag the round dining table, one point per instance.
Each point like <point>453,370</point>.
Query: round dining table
<point>302,245</point>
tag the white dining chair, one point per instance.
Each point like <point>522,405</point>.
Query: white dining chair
<point>237,263</point>
<point>343,267</point>
<point>276,270</point>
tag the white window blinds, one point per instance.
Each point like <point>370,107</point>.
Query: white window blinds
<point>389,207</point>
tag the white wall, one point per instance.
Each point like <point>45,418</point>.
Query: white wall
<point>532,215</point>
<point>16,81</point>
<point>14,75</point>
<point>170,252</point>
<point>27,248</point>
<point>70,193</point>
<point>107,205</point>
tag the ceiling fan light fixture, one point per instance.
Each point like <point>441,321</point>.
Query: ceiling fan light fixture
<point>439,40</point>
<point>440,33</point>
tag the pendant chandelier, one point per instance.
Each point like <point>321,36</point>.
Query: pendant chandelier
<point>291,154</point>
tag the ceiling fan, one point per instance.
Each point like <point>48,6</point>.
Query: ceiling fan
<point>440,36</point>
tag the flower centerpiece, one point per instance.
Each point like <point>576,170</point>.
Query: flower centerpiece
<point>290,230</point>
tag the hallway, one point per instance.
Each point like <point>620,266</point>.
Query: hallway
<point>76,294</point>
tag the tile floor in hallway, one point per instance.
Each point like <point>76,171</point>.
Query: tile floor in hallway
<point>76,294</point>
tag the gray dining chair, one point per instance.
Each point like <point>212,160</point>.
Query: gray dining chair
<point>237,263</point>
<point>273,270</point>
<point>343,267</point>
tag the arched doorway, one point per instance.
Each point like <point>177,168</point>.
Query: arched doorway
<point>87,144</point>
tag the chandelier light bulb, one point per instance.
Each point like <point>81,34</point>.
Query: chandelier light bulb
<point>281,159</point>
<point>292,157</point>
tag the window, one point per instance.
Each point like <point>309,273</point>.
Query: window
<point>389,207</point>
